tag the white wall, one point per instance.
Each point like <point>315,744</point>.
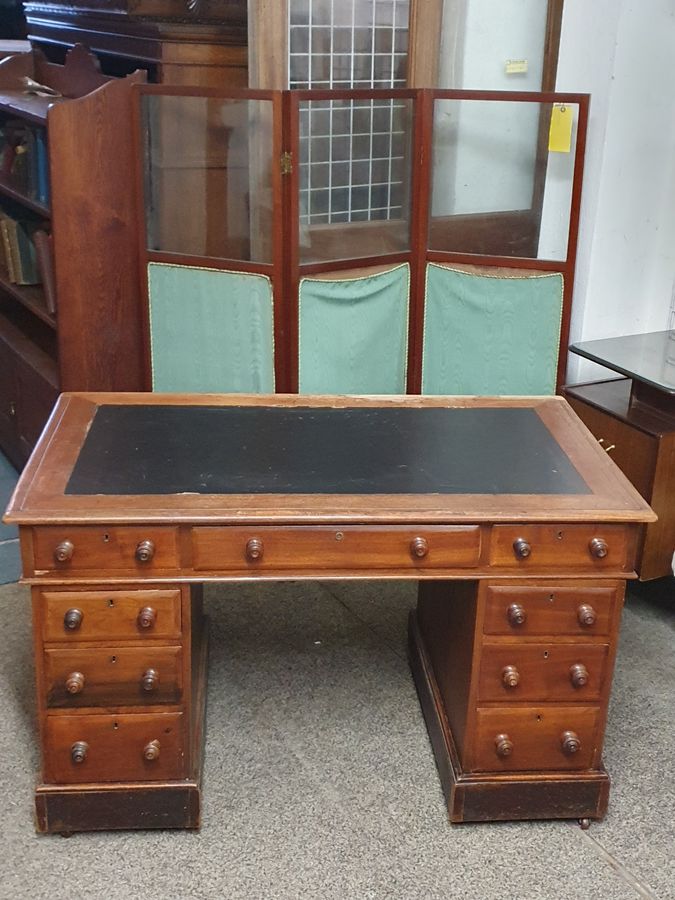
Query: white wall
<point>622,53</point>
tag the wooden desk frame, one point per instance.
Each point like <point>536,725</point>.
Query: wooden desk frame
<point>116,757</point>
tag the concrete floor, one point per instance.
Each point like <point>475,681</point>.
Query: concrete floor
<point>320,782</point>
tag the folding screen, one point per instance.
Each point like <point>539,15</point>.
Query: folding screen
<point>378,242</point>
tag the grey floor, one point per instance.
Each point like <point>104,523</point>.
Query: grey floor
<point>320,781</point>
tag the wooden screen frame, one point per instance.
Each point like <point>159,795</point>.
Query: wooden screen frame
<point>286,269</point>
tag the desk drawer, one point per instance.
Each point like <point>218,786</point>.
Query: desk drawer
<point>137,550</point>
<point>95,748</point>
<point>535,738</point>
<point>98,615</point>
<point>594,547</point>
<point>330,548</point>
<point>112,676</point>
<point>540,672</point>
<point>527,609</point>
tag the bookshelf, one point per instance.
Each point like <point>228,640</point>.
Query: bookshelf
<point>69,315</point>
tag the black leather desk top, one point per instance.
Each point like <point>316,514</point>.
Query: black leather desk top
<point>294,450</point>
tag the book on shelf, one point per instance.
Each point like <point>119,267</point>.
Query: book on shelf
<point>23,159</point>
<point>44,252</point>
<point>19,250</point>
<point>7,249</point>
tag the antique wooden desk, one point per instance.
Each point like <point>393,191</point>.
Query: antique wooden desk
<point>518,527</point>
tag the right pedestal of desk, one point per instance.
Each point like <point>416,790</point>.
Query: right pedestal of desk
<point>640,438</point>
<point>514,680</point>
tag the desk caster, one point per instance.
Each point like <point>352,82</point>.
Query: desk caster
<point>584,824</point>
<point>66,834</point>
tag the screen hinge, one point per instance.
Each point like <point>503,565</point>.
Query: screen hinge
<point>286,163</point>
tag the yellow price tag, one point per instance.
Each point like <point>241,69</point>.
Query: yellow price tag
<point>560,133</point>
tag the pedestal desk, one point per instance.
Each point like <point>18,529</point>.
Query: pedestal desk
<point>518,527</point>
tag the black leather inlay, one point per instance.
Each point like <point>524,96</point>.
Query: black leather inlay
<point>299,450</point>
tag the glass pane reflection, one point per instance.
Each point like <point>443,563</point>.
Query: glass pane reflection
<point>208,176</point>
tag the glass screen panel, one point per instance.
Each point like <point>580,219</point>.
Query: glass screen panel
<point>354,178</point>
<point>208,176</point>
<point>498,186</point>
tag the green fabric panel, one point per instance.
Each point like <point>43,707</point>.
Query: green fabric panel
<point>354,334</point>
<point>211,331</point>
<point>489,334</point>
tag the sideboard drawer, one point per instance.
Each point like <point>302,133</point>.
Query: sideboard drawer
<point>532,738</point>
<point>130,747</point>
<point>119,548</point>
<point>593,547</point>
<point>541,672</point>
<point>328,548</point>
<point>555,609</point>
<point>97,615</point>
<point>112,676</point>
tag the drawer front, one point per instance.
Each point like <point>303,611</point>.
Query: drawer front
<point>633,451</point>
<point>112,676</point>
<point>530,609</point>
<point>96,615</point>
<point>539,672</point>
<point>329,548</point>
<point>562,546</point>
<point>97,748</point>
<point>138,550</point>
<point>535,738</point>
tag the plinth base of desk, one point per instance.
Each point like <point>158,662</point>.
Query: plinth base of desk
<point>497,797</point>
<point>63,810</point>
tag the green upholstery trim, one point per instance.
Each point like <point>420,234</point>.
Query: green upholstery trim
<point>211,330</point>
<point>491,334</point>
<point>354,333</point>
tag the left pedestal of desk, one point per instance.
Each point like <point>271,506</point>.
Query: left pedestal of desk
<point>121,685</point>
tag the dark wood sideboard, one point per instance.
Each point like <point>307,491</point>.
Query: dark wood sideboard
<point>178,41</point>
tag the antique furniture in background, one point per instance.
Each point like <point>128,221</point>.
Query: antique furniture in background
<point>518,526</point>
<point>176,41</point>
<point>66,161</point>
<point>634,420</point>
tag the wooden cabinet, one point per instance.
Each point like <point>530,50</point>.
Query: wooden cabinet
<point>641,441</point>
<point>65,163</point>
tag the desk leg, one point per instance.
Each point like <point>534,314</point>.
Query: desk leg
<point>121,707</point>
<point>524,750</point>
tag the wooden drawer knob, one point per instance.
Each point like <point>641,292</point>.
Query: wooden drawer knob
<point>570,743</point>
<point>510,677</point>
<point>419,547</point>
<point>73,619</point>
<point>598,547</point>
<point>75,683</point>
<point>145,551</point>
<point>516,615</point>
<point>78,752</point>
<point>522,548</point>
<point>503,745</point>
<point>150,680</point>
<point>64,551</point>
<point>146,618</point>
<point>586,615</point>
<point>254,550</point>
<point>579,675</point>
<point>151,751</point>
